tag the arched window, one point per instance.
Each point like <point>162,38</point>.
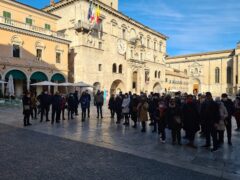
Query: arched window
<point>120,69</point>
<point>159,74</point>
<point>114,68</point>
<point>217,75</point>
<point>229,75</point>
<point>155,74</point>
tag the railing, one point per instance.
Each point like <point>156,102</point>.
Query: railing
<point>85,26</point>
<point>33,28</point>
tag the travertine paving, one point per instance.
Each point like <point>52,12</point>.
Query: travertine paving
<point>105,133</point>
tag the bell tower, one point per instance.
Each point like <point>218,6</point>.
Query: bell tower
<point>111,3</point>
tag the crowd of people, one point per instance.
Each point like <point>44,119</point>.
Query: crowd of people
<point>181,111</point>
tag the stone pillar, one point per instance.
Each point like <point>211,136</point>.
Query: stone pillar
<point>28,84</point>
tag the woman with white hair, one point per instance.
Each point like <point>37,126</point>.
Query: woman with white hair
<point>221,125</point>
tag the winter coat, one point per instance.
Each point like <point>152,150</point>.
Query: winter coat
<point>230,107</point>
<point>56,102</point>
<point>45,100</point>
<point>173,118</point>
<point>26,104</point>
<point>223,115</point>
<point>143,111</point>
<point>98,100</point>
<point>190,117</point>
<point>84,101</point>
<point>118,104</point>
<point>160,115</point>
<point>125,105</point>
<point>71,102</point>
<point>34,102</point>
<point>133,108</point>
<point>111,103</point>
<point>210,113</point>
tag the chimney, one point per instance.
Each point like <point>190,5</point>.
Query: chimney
<point>52,3</point>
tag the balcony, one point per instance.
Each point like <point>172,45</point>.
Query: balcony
<point>82,26</point>
<point>32,28</point>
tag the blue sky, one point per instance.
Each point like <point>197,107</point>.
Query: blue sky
<point>192,25</point>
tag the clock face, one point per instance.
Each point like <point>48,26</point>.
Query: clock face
<point>122,46</point>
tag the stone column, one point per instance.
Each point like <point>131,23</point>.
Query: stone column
<point>28,84</point>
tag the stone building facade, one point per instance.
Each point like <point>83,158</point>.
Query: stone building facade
<point>217,72</point>
<point>119,54</point>
<point>31,48</point>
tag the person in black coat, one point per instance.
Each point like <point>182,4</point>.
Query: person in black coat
<point>71,105</point>
<point>76,103</point>
<point>56,107</point>
<point>228,121</point>
<point>173,117</point>
<point>84,101</point>
<point>89,102</point>
<point>133,109</point>
<point>45,101</point>
<point>26,100</point>
<point>111,105</point>
<point>190,118</point>
<point>118,108</point>
<point>211,116</point>
<point>160,120</point>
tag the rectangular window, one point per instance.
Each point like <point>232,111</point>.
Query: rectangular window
<point>39,54</point>
<point>16,51</point>
<point>7,17</point>
<point>29,21</point>
<point>148,43</point>
<point>155,46</point>
<point>160,47</point>
<point>99,67</point>
<point>47,27</point>
<point>58,57</point>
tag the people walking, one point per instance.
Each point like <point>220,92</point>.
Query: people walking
<point>45,101</point>
<point>211,117</point>
<point>98,102</point>
<point>26,100</point>
<point>126,109</point>
<point>89,103</point>
<point>228,120</point>
<point>221,125</point>
<point>34,102</point>
<point>173,116</point>
<point>84,101</point>
<point>143,112</point>
<point>56,108</point>
<point>111,105</point>
<point>237,112</point>
<point>134,110</point>
<point>190,119</point>
<point>71,106</point>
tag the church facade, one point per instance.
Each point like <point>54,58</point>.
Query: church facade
<point>217,72</point>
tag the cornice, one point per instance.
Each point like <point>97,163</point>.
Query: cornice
<point>194,60</point>
<point>31,33</point>
<point>110,10</point>
<point>202,54</point>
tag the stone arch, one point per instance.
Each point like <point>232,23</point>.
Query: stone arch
<point>157,87</point>
<point>19,80</point>
<point>196,86</point>
<point>117,86</point>
<point>58,77</point>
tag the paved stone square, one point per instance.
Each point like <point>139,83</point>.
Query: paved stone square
<point>100,149</point>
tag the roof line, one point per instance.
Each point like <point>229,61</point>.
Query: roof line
<point>35,9</point>
<point>203,53</point>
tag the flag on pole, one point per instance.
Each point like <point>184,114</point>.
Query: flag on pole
<point>98,15</point>
<point>93,14</point>
<point>90,10</point>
